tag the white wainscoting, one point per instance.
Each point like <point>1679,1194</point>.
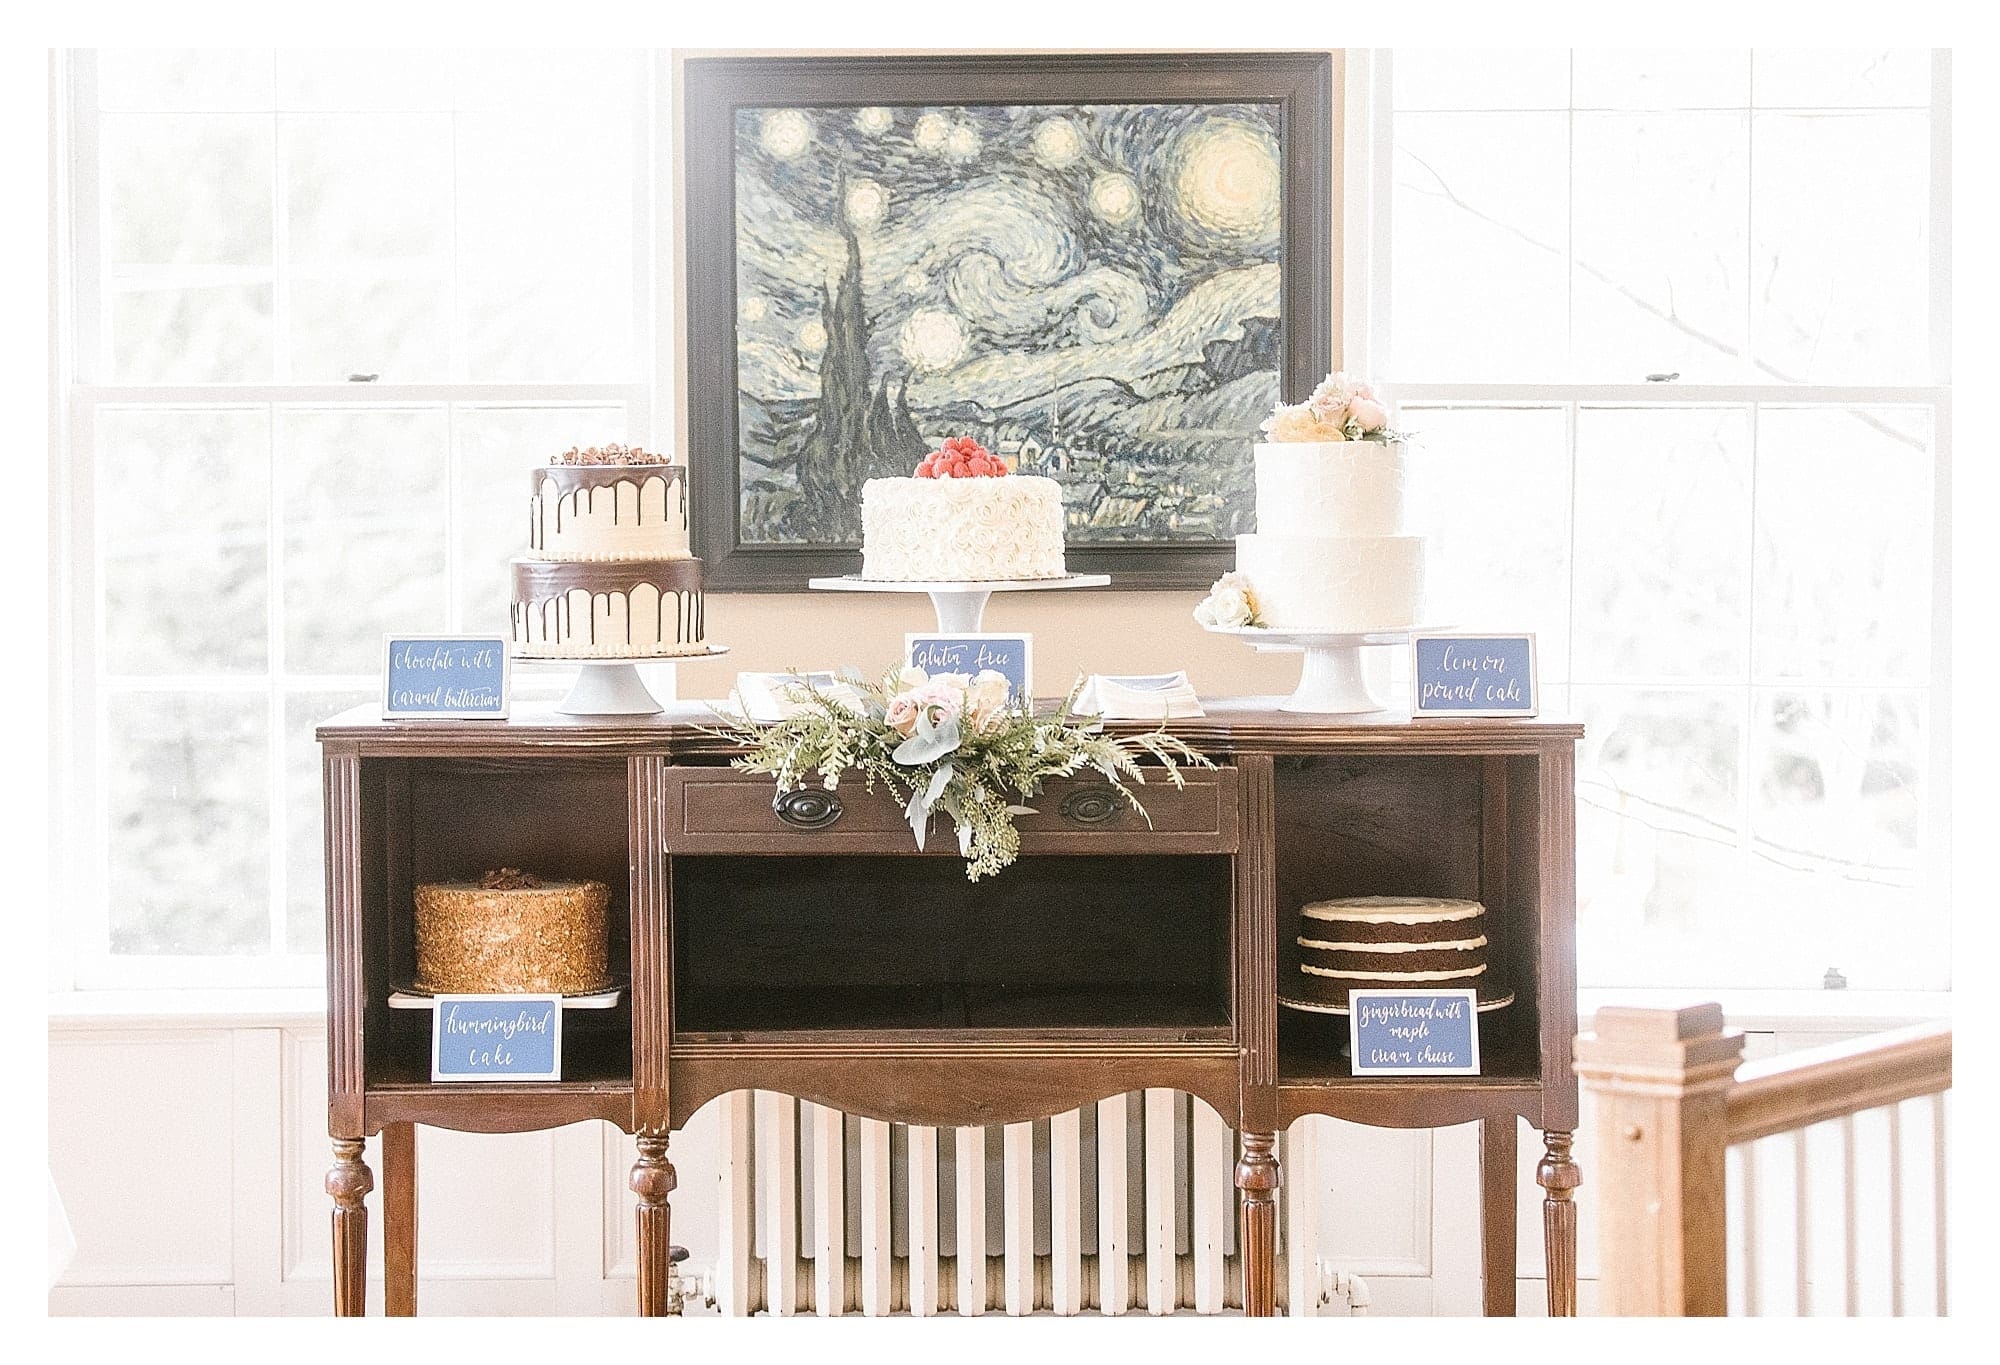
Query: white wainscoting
<point>189,1155</point>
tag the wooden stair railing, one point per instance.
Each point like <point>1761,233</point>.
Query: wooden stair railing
<point>1671,1100</point>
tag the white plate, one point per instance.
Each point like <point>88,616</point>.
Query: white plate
<point>856,583</point>
<point>1315,1007</point>
<point>608,661</point>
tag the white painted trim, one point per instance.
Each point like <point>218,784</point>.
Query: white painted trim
<point>209,396</point>
<point>1425,393</point>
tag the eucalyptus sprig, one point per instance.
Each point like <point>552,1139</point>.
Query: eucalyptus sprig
<point>949,742</point>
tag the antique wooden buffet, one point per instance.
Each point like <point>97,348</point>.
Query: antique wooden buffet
<point>809,948</point>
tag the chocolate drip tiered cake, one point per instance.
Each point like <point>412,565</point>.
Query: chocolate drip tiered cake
<point>1390,943</point>
<point>608,574</point>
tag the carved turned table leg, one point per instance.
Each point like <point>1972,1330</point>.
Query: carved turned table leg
<point>653,1181</point>
<point>399,1219</point>
<point>349,1183</point>
<point>1257,1178</point>
<point>1559,1177</point>
<point>1498,1212</point>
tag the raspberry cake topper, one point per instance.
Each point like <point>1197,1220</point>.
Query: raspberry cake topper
<point>961,457</point>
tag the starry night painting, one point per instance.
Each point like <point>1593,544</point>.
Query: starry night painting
<point>1091,290</point>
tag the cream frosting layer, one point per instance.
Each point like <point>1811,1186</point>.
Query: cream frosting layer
<point>1394,909</point>
<point>643,517</point>
<point>1329,488</point>
<point>961,530</point>
<point>1335,583</point>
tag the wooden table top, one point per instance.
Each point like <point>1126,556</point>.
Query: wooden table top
<point>1231,724</point>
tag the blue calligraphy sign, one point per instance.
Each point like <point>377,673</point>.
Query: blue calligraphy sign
<point>1473,675</point>
<point>1008,655</point>
<point>496,1038</point>
<point>462,677</point>
<point>1413,1033</point>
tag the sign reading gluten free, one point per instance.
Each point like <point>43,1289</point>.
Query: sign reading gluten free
<point>1413,1033</point>
<point>496,1038</point>
<point>972,653</point>
<point>446,677</point>
<point>1473,675</point>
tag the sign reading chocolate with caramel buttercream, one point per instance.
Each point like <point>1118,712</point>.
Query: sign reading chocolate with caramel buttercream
<point>446,677</point>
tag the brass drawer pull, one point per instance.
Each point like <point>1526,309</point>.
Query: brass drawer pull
<point>1091,806</point>
<point>807,809</point>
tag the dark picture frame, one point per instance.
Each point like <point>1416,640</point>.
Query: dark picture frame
<point>714,89</point>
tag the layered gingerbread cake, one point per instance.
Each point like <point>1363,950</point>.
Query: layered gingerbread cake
<point>608,573</point>
<point>513,932</point>
<point>1390,943</point>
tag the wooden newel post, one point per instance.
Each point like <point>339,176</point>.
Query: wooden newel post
<point>1661,1080</point>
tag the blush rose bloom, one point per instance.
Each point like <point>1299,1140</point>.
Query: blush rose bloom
<point>986,701</point>
<point>901,714</point>
<point>941,698</point>
<point>1370,414</point>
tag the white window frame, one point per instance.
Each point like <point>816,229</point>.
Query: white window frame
<point>1370,121</point>
<point>80,954</point>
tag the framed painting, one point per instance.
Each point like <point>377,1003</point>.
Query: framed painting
<point>1104,267</point>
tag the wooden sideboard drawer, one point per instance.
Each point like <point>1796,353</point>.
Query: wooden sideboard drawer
<point>721,811</point>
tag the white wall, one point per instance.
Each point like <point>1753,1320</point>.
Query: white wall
<point>189,1150</point>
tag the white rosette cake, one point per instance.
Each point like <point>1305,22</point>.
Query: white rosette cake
<point>962,519</point>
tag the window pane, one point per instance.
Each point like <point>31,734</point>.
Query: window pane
<point>1844,526</point>
<point>1840,264</point>
<point>1481,78</point>
<point>1661,233</point>
<point>545,243</point>
<point>187,802</point>
<point>1481,240</point>
<point>364,78</point>
<point>497,447</point>
<point>187,247</point>
<point>174,334</point>
<point>369,242</point>
<point>184,78</point>
<point>1824,77</point>
<point>183,511</point>
<point>1662,543</point>
<point>187,189</point>
<point>305,830</point>
<point>1837,831</point>
<point>1659,842</point>
<point>364,532</point>
<point>1662,78</point>
<point>1490,489</point>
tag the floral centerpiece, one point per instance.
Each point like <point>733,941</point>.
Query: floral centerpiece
<point>1342,408</point>
<point>949,742</point>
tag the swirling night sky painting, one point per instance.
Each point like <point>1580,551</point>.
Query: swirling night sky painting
<point>1090,290</point>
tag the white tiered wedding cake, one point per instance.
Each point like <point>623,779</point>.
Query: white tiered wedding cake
<point>1329,553</point>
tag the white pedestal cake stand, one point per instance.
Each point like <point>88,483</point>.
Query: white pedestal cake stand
<point>613,687</point>
<point>960,606</point>
<point>1332,682</point>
